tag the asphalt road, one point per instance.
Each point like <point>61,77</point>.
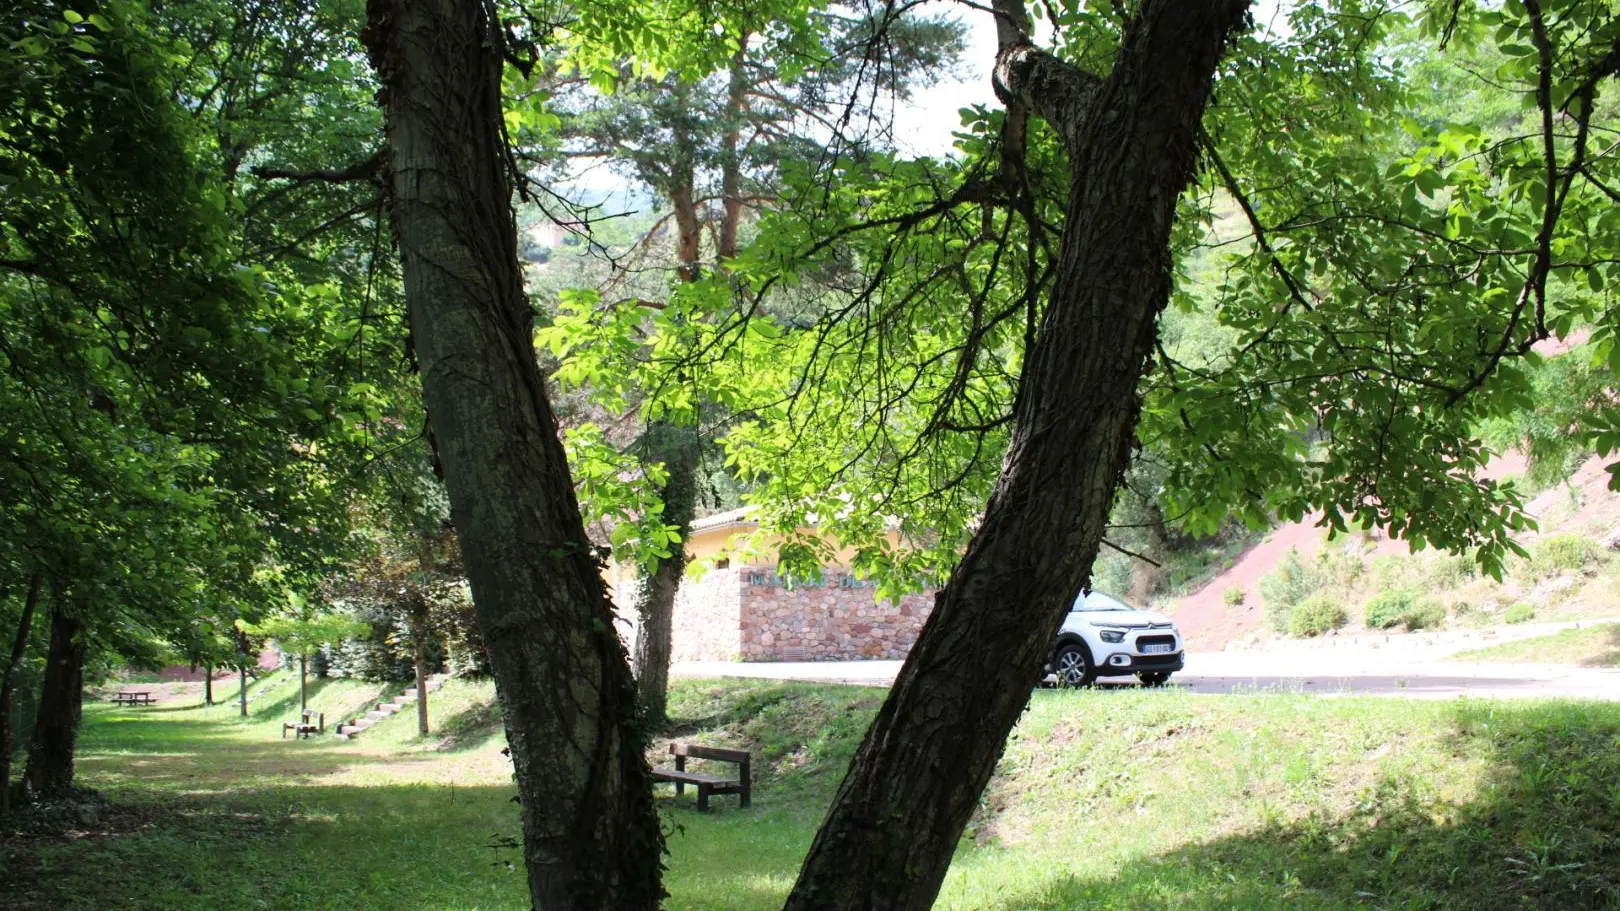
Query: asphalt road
<point>1394,672</point>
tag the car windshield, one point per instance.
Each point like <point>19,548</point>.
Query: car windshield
<point>1097,601</point>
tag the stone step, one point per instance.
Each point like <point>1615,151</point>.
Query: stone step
<point>390,706</point>
<point>378,714</point>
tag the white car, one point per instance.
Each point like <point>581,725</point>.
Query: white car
<point>1105,637</point>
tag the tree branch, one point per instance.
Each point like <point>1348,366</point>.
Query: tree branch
<point>360,170</point>
<point>1060,93</point>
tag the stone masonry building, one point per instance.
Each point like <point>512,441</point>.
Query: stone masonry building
<point>742,610</point>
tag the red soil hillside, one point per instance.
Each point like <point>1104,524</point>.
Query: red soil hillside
<point>1584,507</point>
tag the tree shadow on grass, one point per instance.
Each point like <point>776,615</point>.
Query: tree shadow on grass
<point>1544,834</point>
<point>393,847</point>
<point>470,728</point>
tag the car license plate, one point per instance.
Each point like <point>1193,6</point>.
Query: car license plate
<point>1156,649</point>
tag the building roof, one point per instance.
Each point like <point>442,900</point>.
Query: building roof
<point>727,519</point>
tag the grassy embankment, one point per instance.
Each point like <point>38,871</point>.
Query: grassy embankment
<point>1590,646</point>
<point>1135,800</point>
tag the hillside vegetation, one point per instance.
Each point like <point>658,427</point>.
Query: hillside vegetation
<point>1107,800</point>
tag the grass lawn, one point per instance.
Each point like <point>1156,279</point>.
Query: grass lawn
<point>1592,646</point>
<point>1106,799</point>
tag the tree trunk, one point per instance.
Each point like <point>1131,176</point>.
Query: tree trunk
<point>418,630</point>
<point>61,699</point>
<point>591,836</point>
<point>894,825</point>
<point>303,685</point>
<point>677,446</point>
<point>241,692</point>
<point>19,648</point>
<point>208,685</point>
<point>731,164</point>
<point>683,199</point>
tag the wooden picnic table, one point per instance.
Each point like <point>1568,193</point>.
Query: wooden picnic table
<point>133,697</point>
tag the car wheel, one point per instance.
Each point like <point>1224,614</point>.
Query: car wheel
<point>1153,678</point>
<point>1073,666</point>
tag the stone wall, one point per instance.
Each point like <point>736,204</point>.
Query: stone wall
<point>748,613</point>
<point>832,618</point>
<point>708,617</point>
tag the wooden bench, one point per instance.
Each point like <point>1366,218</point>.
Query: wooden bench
<point>706,784</point>
<point>312,722</point>
<point>132,697</point>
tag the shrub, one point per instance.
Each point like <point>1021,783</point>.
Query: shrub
<point>1233,596</point>
<point>1403,607</point>
<point>1316,615</point>
<point>1292,582</point>
<point>1343,565</point>
<point>1388,608</point>
<point>1520,613</point>
<point>1427,613</point>
<point>1449,570</point>
<point>1561,553</point>
<point>1392,571</point>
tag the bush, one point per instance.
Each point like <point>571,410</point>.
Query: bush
<point>1449,570</point>
<point>1392,571</point>
<point>1403,607</point>
<point>1343,565</point>
<point>1233,596</point>
<point>1561,553</point>
<point>1520,613</point>
<point>1316,615</point>
<point>1293,582</point>
<point>1427,613</point>
<point>1388,609</point>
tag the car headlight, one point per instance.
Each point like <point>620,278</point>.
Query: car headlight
<point>1113,635</point>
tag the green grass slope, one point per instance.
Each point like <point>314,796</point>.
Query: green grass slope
<point>1591,646</point>
<point>1139,800</point>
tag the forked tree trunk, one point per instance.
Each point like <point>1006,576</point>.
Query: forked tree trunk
<point>591,836</point>
<point>61,699</point>
<point>894,825</point>
<point>8,685</point>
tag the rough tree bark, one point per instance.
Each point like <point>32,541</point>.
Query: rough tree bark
<point>731,164</point>
<point>591,837</point>
<point>677,447</point>
<point>61,699</point>
<point>243,656</point>
<point>893,827</point>
<point>419,626</point>
<point>8,684</point>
